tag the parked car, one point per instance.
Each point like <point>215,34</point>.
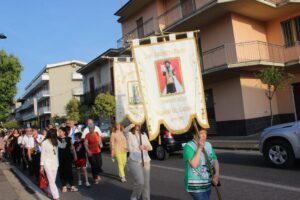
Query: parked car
<point>169,143</point>
<point>280,144</point>
<point>106,132</point>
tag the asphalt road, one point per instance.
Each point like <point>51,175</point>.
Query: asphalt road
<point>244,176</point>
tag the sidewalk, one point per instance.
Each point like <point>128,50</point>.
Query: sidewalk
<point>11,187</point>
<point>250,142</point>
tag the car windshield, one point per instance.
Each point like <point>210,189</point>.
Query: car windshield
<point>104,126</point>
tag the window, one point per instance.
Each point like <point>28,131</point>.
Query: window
<point>291,31</point>
<point>140,27</point>
<point>92,87</point>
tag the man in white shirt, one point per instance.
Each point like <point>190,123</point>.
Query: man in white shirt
<point>34,151</point>
<point>73,129</point>
<point>26,143</point>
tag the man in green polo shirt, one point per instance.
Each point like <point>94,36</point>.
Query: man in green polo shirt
<point>198,179</point>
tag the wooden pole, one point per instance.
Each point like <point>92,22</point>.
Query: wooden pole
<point>142,152</point>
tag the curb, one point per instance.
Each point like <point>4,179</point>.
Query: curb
<point>236,145</point>
<point>38,193</point>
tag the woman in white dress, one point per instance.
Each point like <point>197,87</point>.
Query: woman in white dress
<point>49,161</point>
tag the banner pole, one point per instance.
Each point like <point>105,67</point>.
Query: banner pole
<point>142,152</point>
<point>208,163</point>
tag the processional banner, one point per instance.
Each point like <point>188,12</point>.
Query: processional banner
<point>170,82</point>
<point>127,93</point>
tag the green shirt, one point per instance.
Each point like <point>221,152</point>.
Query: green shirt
<point>197,179</point>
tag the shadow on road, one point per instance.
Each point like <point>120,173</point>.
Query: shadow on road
<point>249,160</point>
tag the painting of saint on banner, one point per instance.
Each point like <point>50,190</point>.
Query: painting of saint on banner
<point>169,76</point>
<point>133,93</point>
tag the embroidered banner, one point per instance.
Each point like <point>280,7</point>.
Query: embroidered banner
<point>127,93</point>
<point>171,83</point>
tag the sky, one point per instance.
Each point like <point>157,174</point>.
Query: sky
<point>41,32</point>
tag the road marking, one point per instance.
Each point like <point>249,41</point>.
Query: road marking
<point>243,180</point>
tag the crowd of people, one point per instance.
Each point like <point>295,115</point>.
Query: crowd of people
<point>56,149</point>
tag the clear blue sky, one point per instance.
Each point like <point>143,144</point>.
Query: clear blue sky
<point>41,32</point>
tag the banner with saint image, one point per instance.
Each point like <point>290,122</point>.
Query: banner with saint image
<point>171,83</point>
<point>127,93</point>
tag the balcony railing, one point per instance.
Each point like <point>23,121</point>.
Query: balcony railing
<point>43,94</point>
<point>44,110</point>
<point>250,53</point>
<point>89,97</point>
<point>180,11</point>
<point>148,28</point>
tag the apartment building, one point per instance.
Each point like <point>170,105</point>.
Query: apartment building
<point>49,92</point>
<point>98,76</point>
<point>237,38</point>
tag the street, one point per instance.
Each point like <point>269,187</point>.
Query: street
<point>244,175</point>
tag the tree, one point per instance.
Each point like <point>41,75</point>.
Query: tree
<point>11,124</point>
<point>57,119</point>
<point>10,70</point>
<point>275,78</point>
<point>105,105</point>
<point>73,110</point>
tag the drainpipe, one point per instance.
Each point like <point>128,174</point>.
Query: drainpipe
<point>294,105</point>
<point>200,51</point>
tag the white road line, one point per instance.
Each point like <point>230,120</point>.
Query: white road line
<point>242,180</point>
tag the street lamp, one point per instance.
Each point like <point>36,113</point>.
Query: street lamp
<point>2,36</point>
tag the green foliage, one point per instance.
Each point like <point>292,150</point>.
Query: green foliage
<point>105,105</point>
<point>11,124</point>
<point>58,119</point>
<point>73,110</point>
<point>275,78</point>
<point>10,70</point>
<point>85,113</point>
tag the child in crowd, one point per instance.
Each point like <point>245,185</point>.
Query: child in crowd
<point>81,159</point>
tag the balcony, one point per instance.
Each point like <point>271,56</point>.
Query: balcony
<point>89,97</point>
<point>193,14</point>
<point>77,91</point>
<point>28,116</point>
<point>76,77</point>
<point>27,104</point>
<point>44,110</point>
<point>36,83</point>
<point>249,54</point>
<point>43,95</point>
<point>148,28</point>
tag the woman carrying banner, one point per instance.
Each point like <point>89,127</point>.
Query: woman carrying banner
<point>197,176</point>
<point>139,162</point>
<point>118,147</point>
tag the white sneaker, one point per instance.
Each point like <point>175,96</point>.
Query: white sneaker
<point>87,184</point>
<point>80,183</point>
<point>123,179</point>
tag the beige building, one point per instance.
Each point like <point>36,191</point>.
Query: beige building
<point>49,92</point>
<point>237,38</point>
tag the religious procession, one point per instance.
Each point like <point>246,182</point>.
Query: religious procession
<point>198,101</point>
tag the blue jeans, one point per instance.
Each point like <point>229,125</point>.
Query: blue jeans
<point>200,195</point>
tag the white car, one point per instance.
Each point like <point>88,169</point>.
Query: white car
<point>280,144</point>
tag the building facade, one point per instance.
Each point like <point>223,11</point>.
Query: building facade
<point>237,39</point>
<point>98,76</point>
<point>49,92</point>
